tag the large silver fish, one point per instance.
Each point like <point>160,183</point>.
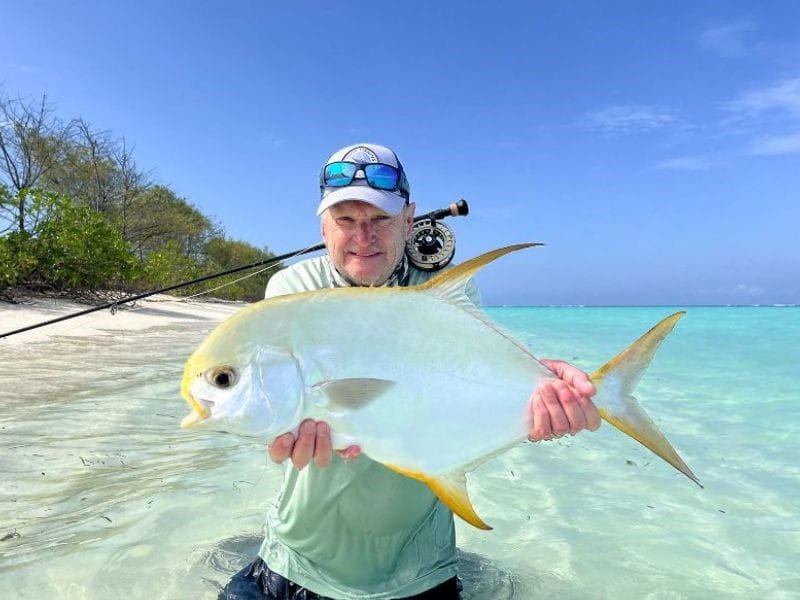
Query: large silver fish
<point>419,378</point>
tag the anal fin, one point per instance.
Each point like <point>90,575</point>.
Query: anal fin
<point>451,489</point>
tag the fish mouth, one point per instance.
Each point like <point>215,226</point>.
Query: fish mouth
<point>201,412</point>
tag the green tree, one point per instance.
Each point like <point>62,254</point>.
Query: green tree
<point>32,142</point>
<point>77,215</point>
<point>223,254</point>
<point>158,216</point>
<point>73,248</point>
<point>99,171</point>
<point>167,266</point>
<point>17,262</point>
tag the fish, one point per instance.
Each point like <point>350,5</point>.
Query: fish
<point>418,377</point>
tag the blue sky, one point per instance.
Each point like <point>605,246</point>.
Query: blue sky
<point>654,147</point>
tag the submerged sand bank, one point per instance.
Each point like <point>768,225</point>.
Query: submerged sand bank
<point>156,311</point>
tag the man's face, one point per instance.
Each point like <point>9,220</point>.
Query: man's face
<point>365,243</point>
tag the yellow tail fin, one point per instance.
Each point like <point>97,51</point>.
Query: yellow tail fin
<point>615,382</point>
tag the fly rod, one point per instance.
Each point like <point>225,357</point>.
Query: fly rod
<point>455,209</point>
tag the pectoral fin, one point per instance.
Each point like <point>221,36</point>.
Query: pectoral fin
<point>354,392</point>
<point>451,489</point>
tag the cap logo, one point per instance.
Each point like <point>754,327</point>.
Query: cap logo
<point>361,155</point>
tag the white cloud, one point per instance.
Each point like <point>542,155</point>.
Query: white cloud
<point>728,40</point>
<point>782,97</point>
<point>777,144</point>
<point>745,289</point>
<point>270,139</point>
<point>625,119</point>
<point>20,68</point>
<point>768,113</point>
<point>766,120</point>
<point>688,163</point>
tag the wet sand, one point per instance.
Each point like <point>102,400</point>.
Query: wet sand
<point>156,311</point>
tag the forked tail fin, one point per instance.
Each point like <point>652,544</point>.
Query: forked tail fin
<point>615,382</point>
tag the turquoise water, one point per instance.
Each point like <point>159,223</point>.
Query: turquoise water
<point>102,495</point>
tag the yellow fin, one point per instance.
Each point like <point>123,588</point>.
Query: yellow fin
<point>191,420</point>
<point>632,362</point>
<point>619,376</point>
<point>451,489</point>
<point>450,284</point>
<point>354,392</point>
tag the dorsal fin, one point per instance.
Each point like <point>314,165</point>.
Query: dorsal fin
<point>451,287</point>
<point>451,283</point>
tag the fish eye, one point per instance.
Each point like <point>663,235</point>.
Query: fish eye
<point>222,377</point>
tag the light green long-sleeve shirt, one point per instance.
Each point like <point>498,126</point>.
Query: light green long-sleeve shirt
<point>355,529</point>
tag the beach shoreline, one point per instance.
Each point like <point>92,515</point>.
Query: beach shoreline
<point>156,311</point>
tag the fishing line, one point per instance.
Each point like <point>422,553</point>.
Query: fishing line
<point>219,287</point>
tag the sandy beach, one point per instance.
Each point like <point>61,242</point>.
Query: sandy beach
<point>156,311</point>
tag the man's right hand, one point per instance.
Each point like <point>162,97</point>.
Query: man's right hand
<point>313,442</point>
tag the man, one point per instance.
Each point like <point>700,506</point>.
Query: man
<point>345,526</point>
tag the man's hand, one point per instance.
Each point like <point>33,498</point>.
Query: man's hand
<point>313,442</point>
<point>563,405</point>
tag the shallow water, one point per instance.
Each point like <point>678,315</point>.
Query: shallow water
<point>102,495</point>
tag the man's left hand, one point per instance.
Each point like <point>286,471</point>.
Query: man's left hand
<point>563,405</point>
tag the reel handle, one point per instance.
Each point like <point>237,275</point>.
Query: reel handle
<point>456,209</point>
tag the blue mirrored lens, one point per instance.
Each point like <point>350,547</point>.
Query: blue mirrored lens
<point>382,177</point>
<point>339,174</point>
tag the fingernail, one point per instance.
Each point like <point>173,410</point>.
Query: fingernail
<point>323,429</point>
<point>308,427</point>
<point>352,452</point>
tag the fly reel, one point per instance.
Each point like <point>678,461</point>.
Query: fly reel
<point>432,244</point>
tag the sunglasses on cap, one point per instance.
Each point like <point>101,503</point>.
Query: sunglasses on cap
<point>377,175</point>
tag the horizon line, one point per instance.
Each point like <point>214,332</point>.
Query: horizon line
<point>768,305</point>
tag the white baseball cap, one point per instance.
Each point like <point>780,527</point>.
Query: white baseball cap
<point>389,201</point>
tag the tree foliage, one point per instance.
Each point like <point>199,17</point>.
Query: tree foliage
<point>32,142</point>
<point>78,216</point>
<point>72,249</point>
<point>166,266</point>
<point>157,216</point>
<point>223,254</point>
